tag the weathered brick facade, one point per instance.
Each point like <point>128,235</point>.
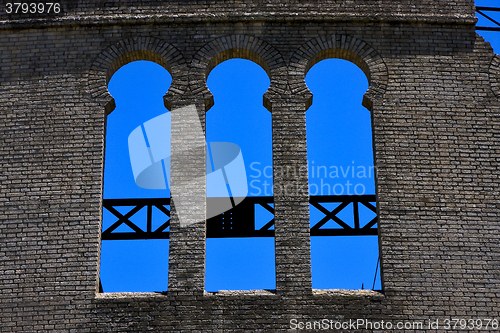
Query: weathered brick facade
<point>434,89</point>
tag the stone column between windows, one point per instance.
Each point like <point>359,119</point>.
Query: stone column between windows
<point>188,192</point>
<point>291,199</point>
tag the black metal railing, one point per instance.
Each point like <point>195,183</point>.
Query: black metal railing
<point>240,221</point>
<point>358,228</point>
<point>486,13</point>
<point>137,232</point>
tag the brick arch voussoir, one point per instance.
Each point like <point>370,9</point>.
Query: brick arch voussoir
<point>237,46</point>
<point>343,47</point>
<point>494,75</point>
<point>128,50</point>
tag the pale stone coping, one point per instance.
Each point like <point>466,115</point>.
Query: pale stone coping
<point>347,293</point>
<point>128,19</point>
<point>130,295</point>
<point>136,295</point>
<point>258,292</point>
<point>240,293</point>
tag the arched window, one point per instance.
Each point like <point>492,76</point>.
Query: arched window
<point>134,133</point>
<point>239,117</point>
<point>341,178</point>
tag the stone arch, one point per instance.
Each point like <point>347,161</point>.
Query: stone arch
<point>128,50</point>
<point>238,46</point>
<point>341,47</point>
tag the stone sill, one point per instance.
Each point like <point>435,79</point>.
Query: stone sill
<point>328,293</point>
<point>337,293</point>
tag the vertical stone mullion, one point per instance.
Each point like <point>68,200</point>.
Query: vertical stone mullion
<point>188,192</point>
<point>291,200</point>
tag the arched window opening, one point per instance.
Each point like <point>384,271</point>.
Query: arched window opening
<point>237,257</point>
<point>341,179</point>
<point>136,191</point>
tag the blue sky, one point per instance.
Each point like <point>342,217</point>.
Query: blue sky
<point>338,135</point>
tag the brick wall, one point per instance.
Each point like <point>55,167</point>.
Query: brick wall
<point>434,101</point>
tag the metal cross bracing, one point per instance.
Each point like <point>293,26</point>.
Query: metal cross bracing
<point>486,12</point>
<point>345,201</point>
<point>241,221</point>
<point>136,205</point>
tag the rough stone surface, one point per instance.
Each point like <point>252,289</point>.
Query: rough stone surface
<point>435,113</point>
